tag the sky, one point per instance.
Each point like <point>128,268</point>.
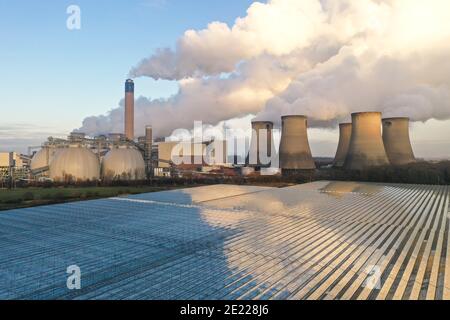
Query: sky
<point>54,78</point>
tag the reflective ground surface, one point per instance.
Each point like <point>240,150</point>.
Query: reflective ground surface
<point>324,240</point>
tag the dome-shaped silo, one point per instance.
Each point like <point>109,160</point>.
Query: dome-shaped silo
<point>345,134</point>
<point>366,144</point>
<point>257,154</point>
<point>397,142</point>
<point>123,163</point>
<point>295,152</point>
<point>74,163</point>
<point>42,158</point>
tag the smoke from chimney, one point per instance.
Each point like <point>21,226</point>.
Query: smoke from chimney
<point>334,57</point>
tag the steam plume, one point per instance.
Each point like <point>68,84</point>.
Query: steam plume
<point>321,58</point>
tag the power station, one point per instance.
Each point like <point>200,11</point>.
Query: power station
<point>368,141</point>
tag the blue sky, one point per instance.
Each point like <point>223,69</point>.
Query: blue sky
<point>53,78</point>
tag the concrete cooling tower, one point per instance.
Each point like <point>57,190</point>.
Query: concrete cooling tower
<point>258,157</point>
<point>366,144</point>
<point>123,163</point>
<point>74,164</point>
<point>295,152</point>
<point>345,134</point>
<point>396,141</point>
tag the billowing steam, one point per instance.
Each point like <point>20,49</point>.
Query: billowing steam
<point>321,58</point>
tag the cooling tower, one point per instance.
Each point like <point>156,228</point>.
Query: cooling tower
<point>260,152</point>
<point>396,141</point>
<point>123,163</point>
<point>295,152</point>
<point>366,144</point>
<point>345,134</point>
<point>129,109</point>
<point>74,164</point>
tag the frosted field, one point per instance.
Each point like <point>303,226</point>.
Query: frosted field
<point>324,240</point>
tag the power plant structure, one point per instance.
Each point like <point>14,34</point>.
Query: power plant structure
<point>295,152</point>
<point>79,158</point>
<point>129,109</point>
<point>74,163</point>
<point>118,156</point>
<point>262,144</point>
<point>123,163</point>
<point>397,142</point>
<point>345,135</point>
<point>366,144</point>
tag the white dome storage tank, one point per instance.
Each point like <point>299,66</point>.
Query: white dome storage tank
<point>42,158</point>
<point>123,163</point>
<point>75,163</point>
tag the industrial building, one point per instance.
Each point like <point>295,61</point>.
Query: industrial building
<point>78,158</point>
<point>119,156</point>
<point>323,240</point>
<point>367,142</point>
<point>13,167</point>
<point>11,158</point>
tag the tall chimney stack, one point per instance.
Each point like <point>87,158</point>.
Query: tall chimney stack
<point>129,109</point>
<point>397,142</point>
<point>366,144</point>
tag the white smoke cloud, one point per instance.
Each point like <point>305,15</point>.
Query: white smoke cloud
<point>321,58</point>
